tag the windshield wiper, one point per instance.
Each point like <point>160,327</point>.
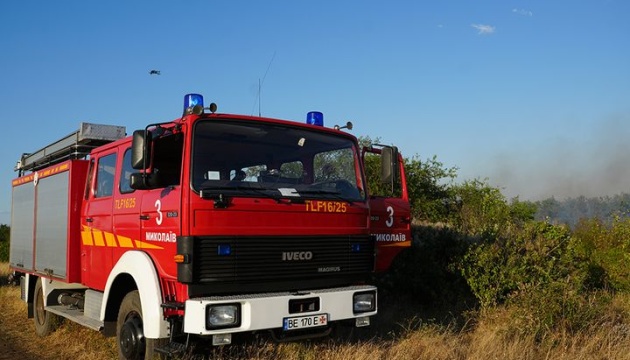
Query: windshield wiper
<point>335,194</point>
<point>227,187</point>
<point>221,191</point>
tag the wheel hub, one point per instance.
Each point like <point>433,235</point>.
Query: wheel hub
<point>132,342</point>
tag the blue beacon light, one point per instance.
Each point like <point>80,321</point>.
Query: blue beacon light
<point>191,100</point>
<point>224,250</point>
<point>315,118</point>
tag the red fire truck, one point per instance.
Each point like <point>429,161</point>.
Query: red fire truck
<point>209,225</point>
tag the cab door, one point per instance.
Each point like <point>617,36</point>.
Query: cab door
<point>160,203</point>
<point>97,232</point>
<point>160,214</point>
<point>126,213</point>
<point>390,212</point>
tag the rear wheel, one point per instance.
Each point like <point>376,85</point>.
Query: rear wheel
<point>132,344</point>
<point>45,321</point>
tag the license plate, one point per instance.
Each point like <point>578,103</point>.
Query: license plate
<point>305,322</point>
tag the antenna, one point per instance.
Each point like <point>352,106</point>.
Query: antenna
<point>260,83</point>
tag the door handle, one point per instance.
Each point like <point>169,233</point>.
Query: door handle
<point>89,220</point>
<point>144,217</point>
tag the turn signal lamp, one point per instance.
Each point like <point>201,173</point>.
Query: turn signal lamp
<point>193,104</point>
<point>315,118</point>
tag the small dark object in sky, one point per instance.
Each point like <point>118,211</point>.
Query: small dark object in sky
<point>154,72</point>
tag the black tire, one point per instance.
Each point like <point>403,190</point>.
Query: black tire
<point>45,321</point>
<point>132,345</point>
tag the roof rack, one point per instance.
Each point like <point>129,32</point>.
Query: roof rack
<point>74,146</point>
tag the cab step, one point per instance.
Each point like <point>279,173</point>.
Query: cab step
<point>171,349</point>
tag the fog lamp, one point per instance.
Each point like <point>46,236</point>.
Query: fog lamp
<point>221,339</point>
<point>362,321</point>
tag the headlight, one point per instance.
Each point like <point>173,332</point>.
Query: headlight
<point>223,316</point>
<point>364,302</point>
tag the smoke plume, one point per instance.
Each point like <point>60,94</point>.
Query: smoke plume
<point>569,167</point>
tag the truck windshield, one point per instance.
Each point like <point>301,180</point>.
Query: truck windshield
<point>248,158</point>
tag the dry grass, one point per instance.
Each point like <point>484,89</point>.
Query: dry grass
<point>490,337</point>
<point>19,341</point>
<point>4,272</point>
<point>4,269</point>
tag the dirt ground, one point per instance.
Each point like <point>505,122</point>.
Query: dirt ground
<point>13,349</point>
<point>9,351</point>
<point>18,339</point>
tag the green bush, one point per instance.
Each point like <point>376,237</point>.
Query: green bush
<point>554,280</point>
<point>4,251</point>
<point>557,308</point>
<point>607,248</point>
<point>4,243</point>
<point>427,272</point>
<point>540,254</point>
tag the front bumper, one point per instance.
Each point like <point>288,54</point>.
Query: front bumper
<point>268,311</point>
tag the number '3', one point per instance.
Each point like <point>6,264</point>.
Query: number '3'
<point>158,206</point>
<point>390,221</point>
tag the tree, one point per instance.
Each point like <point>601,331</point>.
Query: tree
<point>428,183</point>
<point>4,242</point>
<point>481,209</point>
<point>430,188</point>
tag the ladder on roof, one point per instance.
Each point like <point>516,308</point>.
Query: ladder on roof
<point>77,145</point>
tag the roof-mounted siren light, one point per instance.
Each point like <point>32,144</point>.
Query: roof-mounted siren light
<point>193,104</point>
<point>315,118</point>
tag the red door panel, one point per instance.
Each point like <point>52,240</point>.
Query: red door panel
<point>390,218</point>
<point>390,225</point>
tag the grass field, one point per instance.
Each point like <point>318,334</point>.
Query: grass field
<point>396,334</point>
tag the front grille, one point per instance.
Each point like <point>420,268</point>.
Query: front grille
<point>280,258</point>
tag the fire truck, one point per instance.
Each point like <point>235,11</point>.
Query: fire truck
<point>208,226</point>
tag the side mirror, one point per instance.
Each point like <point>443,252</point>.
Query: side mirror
<point>389,165</point>
<point>136,181</point>
<point>144,181</point>
<point>141,149</point>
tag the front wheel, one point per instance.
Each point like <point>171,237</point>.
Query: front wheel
<point>132,345</point>
<point>45,321</point>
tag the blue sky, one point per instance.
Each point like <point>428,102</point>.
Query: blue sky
<point>532,95</point>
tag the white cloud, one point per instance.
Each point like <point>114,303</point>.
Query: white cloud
<point>484,29</point>
<point>522,12</point>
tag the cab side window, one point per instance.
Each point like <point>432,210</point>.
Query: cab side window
<point>125,173</point>
<point>167,159</point>
<point>105,176</point>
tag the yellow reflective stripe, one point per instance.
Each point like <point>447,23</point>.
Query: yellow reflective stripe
<point>396,244</point>
<point>124,241</point>
<point>86,236</point>
<point>110,239</point>
<point>146,245</point>
<point>98,237</point>
<point>94,237</point>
